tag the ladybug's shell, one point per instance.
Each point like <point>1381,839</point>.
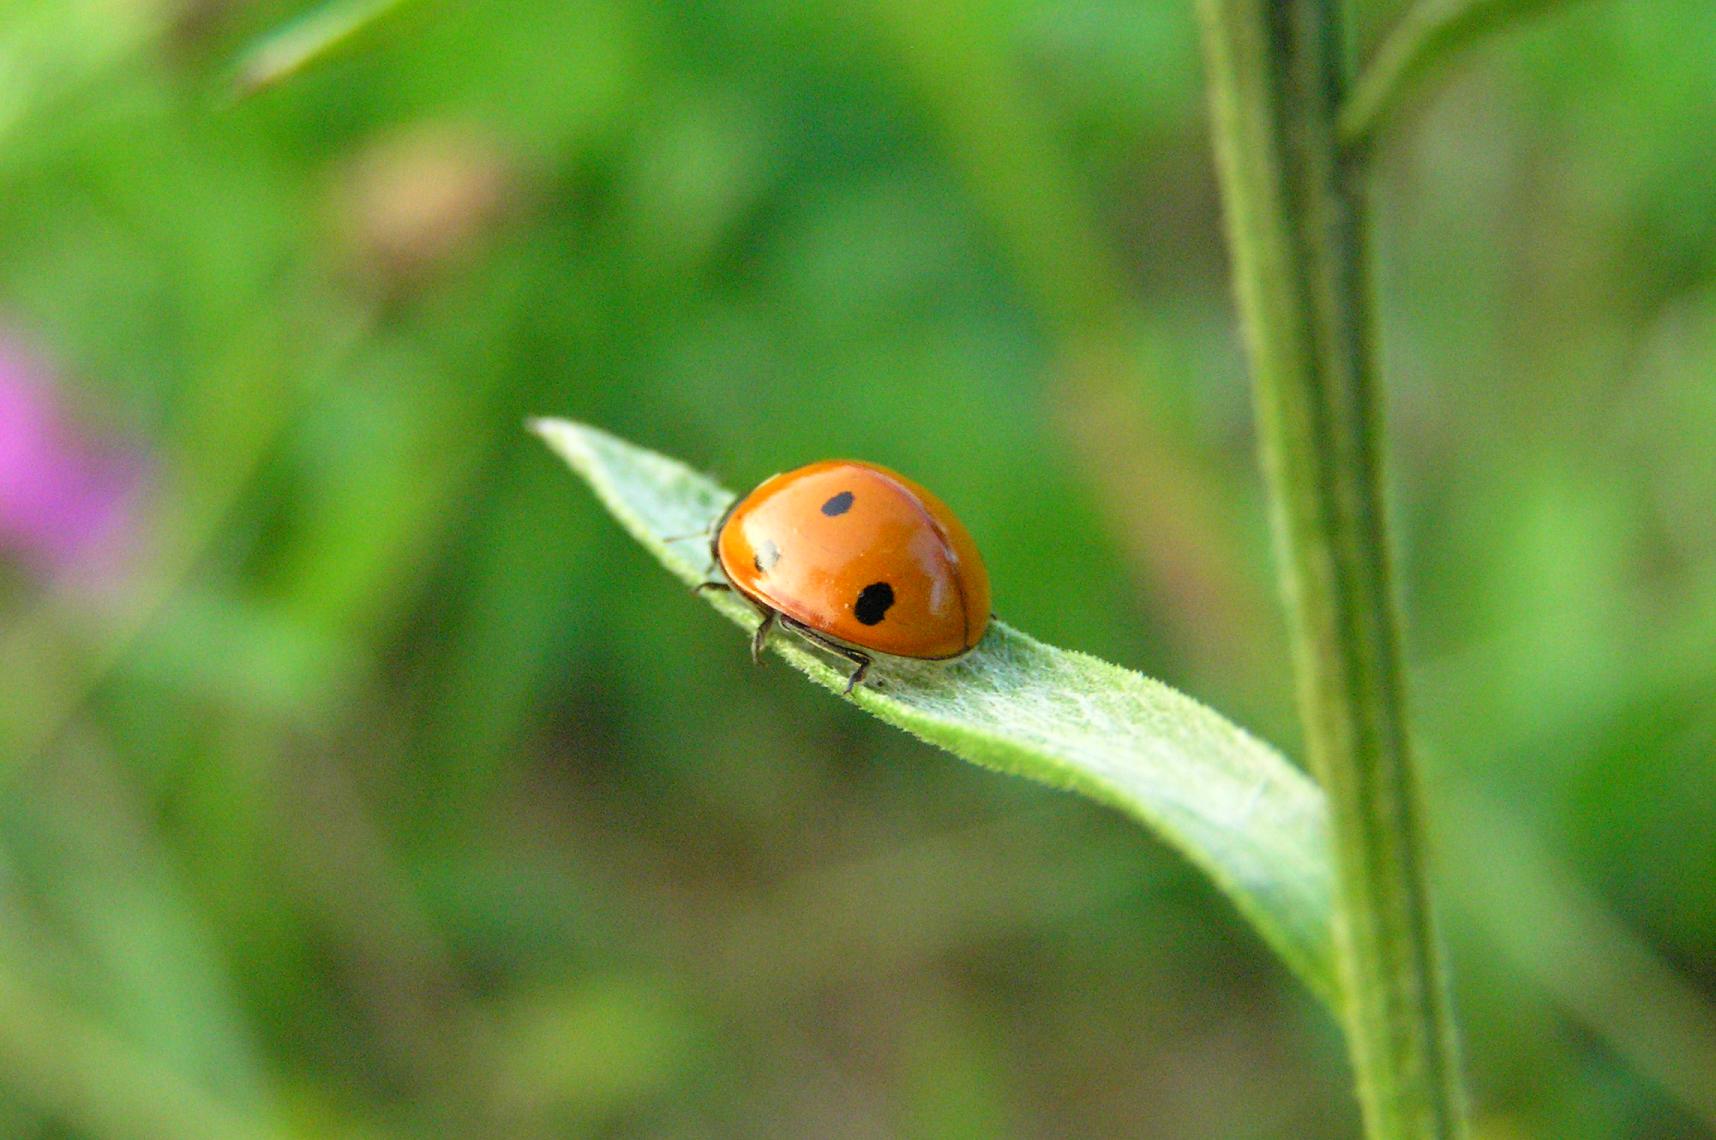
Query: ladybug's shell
<point>861,554</point>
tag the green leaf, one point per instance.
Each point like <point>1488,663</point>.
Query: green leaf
<point>1235,807</point>
<point>319,33</point>
<point>1431,33</point>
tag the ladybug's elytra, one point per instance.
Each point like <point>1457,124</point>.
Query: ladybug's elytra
<point>856,559</point>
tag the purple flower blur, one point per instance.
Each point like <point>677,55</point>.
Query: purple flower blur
<point>67,499</point>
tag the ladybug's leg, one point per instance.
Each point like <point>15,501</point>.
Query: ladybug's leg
<point>761,636</point>
<point>862,660</point>
<point>710,534</point>
<point>859,658</point>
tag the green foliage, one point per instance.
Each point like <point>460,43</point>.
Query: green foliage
<point>1248,819</point>
<point>285,51</point>
<point>390,763</point>
<point>1426,38</point>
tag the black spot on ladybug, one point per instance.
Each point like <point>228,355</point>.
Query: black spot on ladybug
<point>766,556</point>
<point>873,602</point>
<point>839,505</point>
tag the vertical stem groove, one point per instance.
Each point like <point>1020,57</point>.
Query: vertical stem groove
<point>1295,220</point>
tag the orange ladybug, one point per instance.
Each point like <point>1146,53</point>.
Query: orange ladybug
<point>857,559</point>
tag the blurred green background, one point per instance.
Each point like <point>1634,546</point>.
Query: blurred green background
<point>361,779</point>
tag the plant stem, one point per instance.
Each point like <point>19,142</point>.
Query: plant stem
<point>1296,229</point>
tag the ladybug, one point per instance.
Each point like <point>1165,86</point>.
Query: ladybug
<point>857,559</point>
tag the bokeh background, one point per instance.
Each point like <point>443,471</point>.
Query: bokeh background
<point>362,779</point>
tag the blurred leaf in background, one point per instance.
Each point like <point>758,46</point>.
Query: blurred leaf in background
<point>388,791</point>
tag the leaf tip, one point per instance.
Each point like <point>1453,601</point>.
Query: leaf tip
<point>563,436</point>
